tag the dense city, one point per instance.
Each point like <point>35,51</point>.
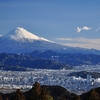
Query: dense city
<point>25,79</point>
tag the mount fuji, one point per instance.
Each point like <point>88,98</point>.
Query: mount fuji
<point>21,35</point>
<point>20,40</point>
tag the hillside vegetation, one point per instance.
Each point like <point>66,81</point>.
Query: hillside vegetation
<point>38,92</point>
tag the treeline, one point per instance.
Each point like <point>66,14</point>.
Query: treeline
<point>50,93</point>
<point>41,93</point>
<point>36,93</point>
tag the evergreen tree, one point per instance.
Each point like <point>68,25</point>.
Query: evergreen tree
<point>76,97</point>
<point>38,93</point>
<point>18,95</point>
<point>93,95</point>
<point>44,95</point>
<point>35,92</point>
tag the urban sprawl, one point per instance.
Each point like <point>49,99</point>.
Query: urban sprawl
<point>25,80</point>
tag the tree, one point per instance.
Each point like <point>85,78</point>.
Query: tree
<point>93,95</point>
<point>44,95</point>
<point>35,92</point>
<point>18,95</point>
<point>76,97</point>
<point>39,93</point>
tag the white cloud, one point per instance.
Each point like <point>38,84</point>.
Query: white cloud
<point>83,28</point>
<point>0,35</point>
<point>81,42</point>
<point>78,29</point>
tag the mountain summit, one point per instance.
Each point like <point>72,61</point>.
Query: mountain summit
<point>22,35</point>
<point>20,40</point>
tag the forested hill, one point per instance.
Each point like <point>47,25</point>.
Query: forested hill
<point>46,60</point>
<point>72,59</point>
<point>24,61</point>
<point>83,74</point>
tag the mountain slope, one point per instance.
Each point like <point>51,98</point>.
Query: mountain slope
<point>21,62</point>
<point>22,35</point>
<point>72,59</point>
<point>20,40</point>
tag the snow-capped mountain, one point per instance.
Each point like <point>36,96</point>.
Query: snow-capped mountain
<point>22,35</point>
<point>20,40</point>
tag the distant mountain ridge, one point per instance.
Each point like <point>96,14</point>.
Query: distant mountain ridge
<point>72,59</point>
<point>20,40</point>
<point>46,60</point>
<point>21,62</point>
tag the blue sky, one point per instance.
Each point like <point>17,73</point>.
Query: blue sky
<point>69,22</point>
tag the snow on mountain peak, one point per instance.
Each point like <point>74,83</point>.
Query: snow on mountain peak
<point>20,34</point>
